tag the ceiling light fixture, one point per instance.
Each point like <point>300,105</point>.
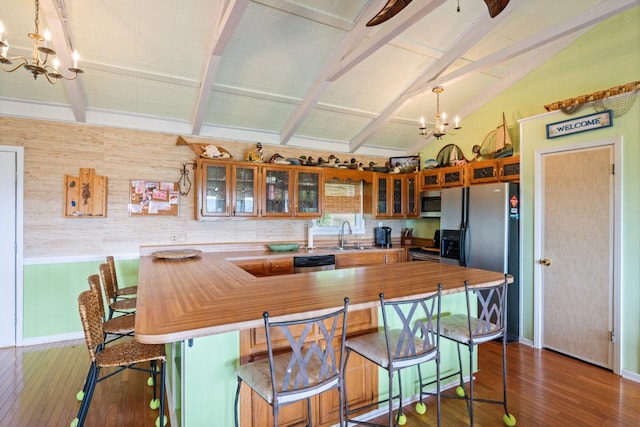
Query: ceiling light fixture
<point>440,128</point>
<point>39,56</point>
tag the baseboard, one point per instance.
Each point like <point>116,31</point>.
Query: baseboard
<point>48,339</point>
<point>408,400</point>
<point>633,376</point>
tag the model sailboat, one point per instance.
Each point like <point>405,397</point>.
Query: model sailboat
<point>504,148</point>
<point>496,144</point>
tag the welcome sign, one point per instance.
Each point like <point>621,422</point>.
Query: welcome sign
<point>603,119</point>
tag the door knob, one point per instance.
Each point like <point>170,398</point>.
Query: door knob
<point>545,261</point>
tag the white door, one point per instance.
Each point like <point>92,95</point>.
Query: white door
<point>577,253</point>
<point>8,245</point>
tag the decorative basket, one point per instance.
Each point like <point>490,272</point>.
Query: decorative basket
<point>206,150</point>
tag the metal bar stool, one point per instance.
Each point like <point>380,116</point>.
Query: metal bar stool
<point>301,369</point>
<point>416,342</point>
<point>467,330</point>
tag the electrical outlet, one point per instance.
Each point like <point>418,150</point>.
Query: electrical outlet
<point>182,237</point>
<point>174,238</point>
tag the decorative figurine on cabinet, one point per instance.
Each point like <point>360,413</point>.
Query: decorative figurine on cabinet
<point>254,154</point>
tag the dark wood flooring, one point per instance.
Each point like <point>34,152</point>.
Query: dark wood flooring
<point>38,385</point>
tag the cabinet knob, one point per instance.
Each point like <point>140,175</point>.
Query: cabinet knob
<point>545,261</point>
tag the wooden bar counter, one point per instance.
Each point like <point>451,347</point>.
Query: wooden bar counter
<point>208,294</point>
<point>203,309</point>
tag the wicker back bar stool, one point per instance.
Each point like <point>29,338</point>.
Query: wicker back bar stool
<point>126,291</point>
<point>124,355</point>
<point>122,306</point>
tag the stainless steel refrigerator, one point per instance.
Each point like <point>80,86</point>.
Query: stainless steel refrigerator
<point>479,229</point>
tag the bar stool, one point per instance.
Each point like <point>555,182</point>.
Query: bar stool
<point>122,356</point>
<point>123,306</point>
<point>126,291</point>
<point>298,370</point>
<point>416,342</point>
<point>467,330</point>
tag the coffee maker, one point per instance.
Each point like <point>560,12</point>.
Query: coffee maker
<point>382,236</point>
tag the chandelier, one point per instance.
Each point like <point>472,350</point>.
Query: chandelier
<point>38,63</point>
<point>440,127</point>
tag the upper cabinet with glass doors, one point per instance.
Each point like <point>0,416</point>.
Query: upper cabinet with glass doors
<point>309,192</point>
<point>240,189</point>
<point>213,195</point>
<point>277,188</point>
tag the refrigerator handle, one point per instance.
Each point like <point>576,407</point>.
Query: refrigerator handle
<point>462,250</point>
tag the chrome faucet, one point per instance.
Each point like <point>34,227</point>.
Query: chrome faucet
<point>342,242</point>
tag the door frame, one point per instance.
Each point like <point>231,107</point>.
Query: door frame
<point>538,296</point>
<point>19,249</point>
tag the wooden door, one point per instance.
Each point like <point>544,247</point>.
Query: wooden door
<point>577,242</point>
<point>8,215</point>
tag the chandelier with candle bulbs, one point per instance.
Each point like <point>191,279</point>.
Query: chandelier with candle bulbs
<point>38,64</point>
<point>441,125</point>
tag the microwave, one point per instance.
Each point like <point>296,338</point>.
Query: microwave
<point>430,204</point>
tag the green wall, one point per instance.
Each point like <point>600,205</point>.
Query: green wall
<point>50,292</point>
<point>608,55</point>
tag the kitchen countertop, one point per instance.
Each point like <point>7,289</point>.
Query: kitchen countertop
<point>208,294</point>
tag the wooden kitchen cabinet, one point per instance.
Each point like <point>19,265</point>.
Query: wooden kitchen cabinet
<point>266,267</point>
<point>412,199</point>
<point>392,196</point>
<point>276,189</point>
<point>225,189</point>
<point>495,170</point>
<point>241,189</point>
<point>451,176</point>
<point>257,267</point>
<point>309,192</point>
<point>366,257</point>
<point>214,188</point>
<point>279,266</point>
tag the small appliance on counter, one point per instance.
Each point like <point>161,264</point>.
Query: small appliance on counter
<point>382,236</point>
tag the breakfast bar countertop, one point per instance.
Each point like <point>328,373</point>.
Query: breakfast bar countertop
<point>207,294</point>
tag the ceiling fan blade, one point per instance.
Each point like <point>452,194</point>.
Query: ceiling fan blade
<point>496,6</point>
<point>392,8</point>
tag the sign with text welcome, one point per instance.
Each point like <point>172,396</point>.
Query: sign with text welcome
<point>603,119</point>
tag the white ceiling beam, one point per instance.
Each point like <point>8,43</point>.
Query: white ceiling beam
<point>227,18</point>
<point>541,56</point>
<point>320,85</point>
<point>56,17</point>
<point>383,36</point>
<point>587,19</point>
<point>464,42</point>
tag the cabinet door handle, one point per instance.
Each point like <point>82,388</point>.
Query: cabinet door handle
<point>545,261</point>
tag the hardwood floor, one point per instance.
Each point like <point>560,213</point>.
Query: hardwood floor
<point>38,386</point>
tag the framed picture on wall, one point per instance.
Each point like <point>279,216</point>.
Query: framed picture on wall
<point>405,164</point>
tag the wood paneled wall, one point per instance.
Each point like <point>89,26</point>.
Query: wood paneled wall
<point>53,149</point>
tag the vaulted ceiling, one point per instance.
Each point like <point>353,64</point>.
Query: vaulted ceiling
<point>304,73</point>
